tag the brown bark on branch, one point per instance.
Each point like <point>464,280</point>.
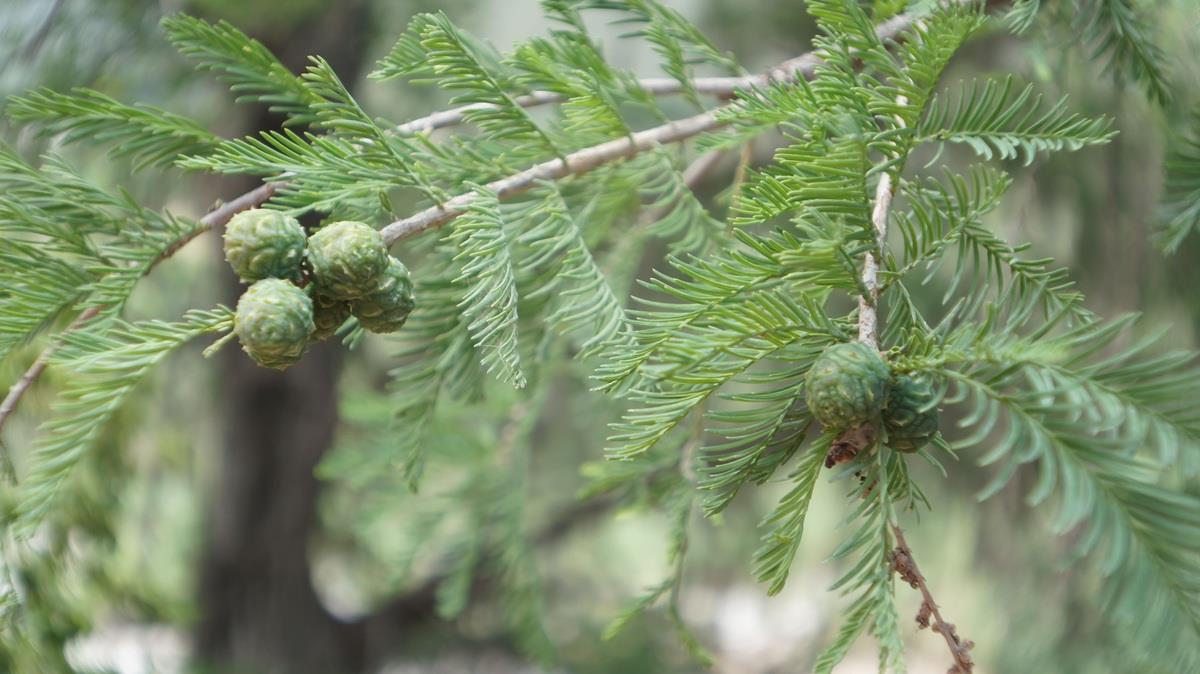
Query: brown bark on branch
<point>22,385</point>
<point>575,163</point>
<point>929,615</point>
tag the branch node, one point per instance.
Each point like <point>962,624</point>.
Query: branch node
<point>849,444</point>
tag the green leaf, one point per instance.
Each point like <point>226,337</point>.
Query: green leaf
<point>1179,213</point>
<point>435,358</point>
<point>252,72</point>
<point>708,292</point>
<point>322,173</point>
<point>885,483</point>
<point>810,180</point>
<point>563,268</point>
<point>754,437</point>
<point>1120,37</point>
<point>949,213</point>
<point>1105,424</point>
<point>149,136</point>
<point>1021,15</point>
<point>768,323</point>
<point>37,288</point>
<point>676,40</point>
<point>784,526</point>
<point>992,121</point>
<point>433,45</point>
<point>104,369</point>
<point>491,299</point>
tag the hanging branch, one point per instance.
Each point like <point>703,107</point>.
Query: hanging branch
<point>903,562</point>
<point>906,567</point>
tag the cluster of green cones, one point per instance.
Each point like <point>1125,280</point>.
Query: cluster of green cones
<point>850,385</point>
<point>304,288</point>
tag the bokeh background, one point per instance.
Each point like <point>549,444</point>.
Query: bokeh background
<point>216,523</point>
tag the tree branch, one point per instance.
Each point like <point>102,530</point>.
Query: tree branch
<point>214,218</point>
<point>575,163</point>
<point>585,160</point>
<point>868,317</point>
<point>906,566</point>
<point>720,87</point>
<point>903,562</point>
<point>22,385</point>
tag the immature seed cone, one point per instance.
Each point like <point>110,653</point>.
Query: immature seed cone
<point>347,258</point>
<point>328,316</point>
<point>847,385</point>
<point>386,307</point>
<point>261,244</point>
<point>274,320</point>
<point>910,415</point>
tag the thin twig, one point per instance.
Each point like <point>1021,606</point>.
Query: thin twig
<point>573,164</point>
<point>22,385</point>
<point>220,215</point>
<point>585,160</point>
<point>868,316</point>
<point>906,566</point>
<point>214,218</point>
<point>720,87</point>
<point>456,116</point>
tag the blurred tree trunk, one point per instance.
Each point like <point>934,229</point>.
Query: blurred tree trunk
<point>258,607</point>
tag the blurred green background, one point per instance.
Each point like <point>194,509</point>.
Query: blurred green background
<point>163,558</point>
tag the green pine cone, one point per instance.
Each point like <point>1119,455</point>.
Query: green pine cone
<point>847,385</point>
<point>387,307</point>
<point>347,258</point>
<point>910,415</point>
<point>274,319</point>
<point>328,316</point>
<point>261,243</point>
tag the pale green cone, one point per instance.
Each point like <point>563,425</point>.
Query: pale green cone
<point>273,322</point>
<point>346,259</point>
<point>261,244</point>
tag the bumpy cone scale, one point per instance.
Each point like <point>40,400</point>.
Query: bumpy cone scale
<point>261,244</point>
<point>386,307</point>
<point>273,322</point>
<point>346,259</point>
<point>910,416</point>
<point>328,316</point>
<point>847,385</point>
